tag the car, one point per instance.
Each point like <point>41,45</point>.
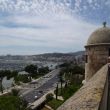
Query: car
<point>34,82</point>
<point>36,97</point>
<point>41,92</point>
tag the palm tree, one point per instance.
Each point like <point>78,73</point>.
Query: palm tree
<point>61,79</point>
<point>61,82</point>
<point>2,75</point>
<point>57,92</point>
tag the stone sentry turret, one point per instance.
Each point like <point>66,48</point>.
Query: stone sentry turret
<point>90,95</point>
<point>97,51</point>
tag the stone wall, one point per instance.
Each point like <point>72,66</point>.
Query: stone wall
<point>97,57</point>
<point>88,97</point>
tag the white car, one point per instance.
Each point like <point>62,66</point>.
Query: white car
<point>36,97</point>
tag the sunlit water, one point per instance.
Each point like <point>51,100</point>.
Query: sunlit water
<point>7,83</point>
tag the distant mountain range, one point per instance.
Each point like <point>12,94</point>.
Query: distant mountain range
<point>45,56</point>
<point>77,53</point>
<point>62,54</point>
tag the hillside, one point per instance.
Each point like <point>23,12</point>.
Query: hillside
<point>45,56</point>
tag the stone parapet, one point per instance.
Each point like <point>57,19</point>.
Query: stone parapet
<point>88,97</point>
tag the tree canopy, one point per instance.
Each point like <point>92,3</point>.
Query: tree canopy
<point>32,70</point>
<point>43,70</point>
<point>11,103</point>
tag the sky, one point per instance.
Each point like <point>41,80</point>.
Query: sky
<point>43,26</point>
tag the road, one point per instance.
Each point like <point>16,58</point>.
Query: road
<point>48,84</point>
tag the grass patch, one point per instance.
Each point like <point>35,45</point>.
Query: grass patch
<point>55,103</point>
<point>9,102</point>
<point>68,91</point>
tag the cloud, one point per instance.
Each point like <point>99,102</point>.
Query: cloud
<point>34,6</point>
<point>60,33</point>
<point>50,27</point>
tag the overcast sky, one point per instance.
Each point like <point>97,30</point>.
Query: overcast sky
<point>42,26</point>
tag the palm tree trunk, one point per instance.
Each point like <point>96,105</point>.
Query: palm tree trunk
<point>57,92</point>
<point>1,86</point>
<point>61,87</point>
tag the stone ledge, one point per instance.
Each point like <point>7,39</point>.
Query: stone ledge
<point>88,97</point>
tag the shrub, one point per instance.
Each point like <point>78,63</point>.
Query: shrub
<point>49,97</point>
<point>15,92</point>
